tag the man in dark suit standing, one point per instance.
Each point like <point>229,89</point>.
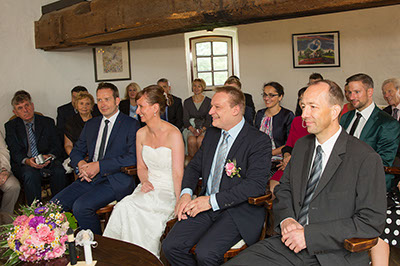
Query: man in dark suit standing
<point>369,123</point>
<point>333,188</point>
<point>110,141</point>
<point>234,161</point>
<point>174,111</point>
<point>27,136</point>
<point>64,112</point>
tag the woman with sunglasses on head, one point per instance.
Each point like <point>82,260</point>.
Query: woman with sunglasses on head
<point>274,120</point>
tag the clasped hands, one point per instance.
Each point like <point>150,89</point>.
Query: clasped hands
<point>87,171</point>
<point>293,235</point>
<point>32,162</point>
<point>186,207</point>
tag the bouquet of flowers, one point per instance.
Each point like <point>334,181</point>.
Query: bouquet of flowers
<point>38,234</point>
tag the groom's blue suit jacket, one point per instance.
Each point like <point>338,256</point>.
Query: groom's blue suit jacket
<point>252,152</point>
<point>120,151</point>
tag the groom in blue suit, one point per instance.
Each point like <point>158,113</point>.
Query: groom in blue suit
<point>109,141</point>
<point>221,216</point>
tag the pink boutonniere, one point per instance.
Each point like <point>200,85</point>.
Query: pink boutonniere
<point>231,169</point>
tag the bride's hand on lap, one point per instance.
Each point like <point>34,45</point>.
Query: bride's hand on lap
<point>180,206</point>
<point>147,186</point>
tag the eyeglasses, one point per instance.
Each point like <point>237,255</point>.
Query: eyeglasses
<point>268,95</point>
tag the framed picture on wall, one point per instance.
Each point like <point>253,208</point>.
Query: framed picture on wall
<point>112,62</point>
<point>318,49</point>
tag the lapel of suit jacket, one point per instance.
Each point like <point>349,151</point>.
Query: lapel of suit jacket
<point>302,182</point>
<point>22,133</point>
<point>370,123</point>
<point>333,163</point>
<point>38,130</point>
<point>209,154</point>
<point>348,119</point>
<point>238,141</point>
<point>93,138</point>
<point>114,132</point>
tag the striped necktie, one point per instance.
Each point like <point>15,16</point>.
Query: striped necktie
<point>32,140</point>
<point>219,164</point>
<point>312,183</point>
<point>103,141</point>
<point>395,114</point>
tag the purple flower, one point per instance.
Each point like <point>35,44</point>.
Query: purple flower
<point>17,244</point>
<point>40,210</point>
<point>35,221</point>
<point>52,225</point>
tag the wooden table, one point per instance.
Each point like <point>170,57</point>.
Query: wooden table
<point>108,252</point>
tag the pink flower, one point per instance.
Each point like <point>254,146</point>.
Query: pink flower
<point>20,220</point>
<point>231,170</point>
<point>58,251</point>
<point>43,232</point>
<point>63,239</point>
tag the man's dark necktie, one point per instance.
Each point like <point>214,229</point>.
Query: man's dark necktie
<point>219,164</point>
<point>395,113</point>
<point>312,183</point>
<point>32,140</point>
<point>103,141</point>
<point>355,124</point>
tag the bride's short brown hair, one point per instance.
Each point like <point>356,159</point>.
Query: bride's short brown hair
<point>154,94</point>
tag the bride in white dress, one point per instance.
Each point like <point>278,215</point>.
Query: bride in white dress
<point>140,218</point>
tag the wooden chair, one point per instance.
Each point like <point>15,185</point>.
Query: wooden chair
<point>363,244</point>
<point>105,212</point>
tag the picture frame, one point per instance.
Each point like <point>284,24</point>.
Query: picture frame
<point>317,49</point>
<point>112,62</point>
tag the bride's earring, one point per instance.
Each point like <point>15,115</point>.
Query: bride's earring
<point>302,123</point>
<point>155,113</point>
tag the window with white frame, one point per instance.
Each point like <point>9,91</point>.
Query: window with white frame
<point>212,55</point>
<point>211,59</point>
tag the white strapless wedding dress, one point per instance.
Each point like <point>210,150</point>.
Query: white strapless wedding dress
<point>140,218</point>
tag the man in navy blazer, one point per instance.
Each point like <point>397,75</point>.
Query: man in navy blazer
<point>221,216</point>
<point>46,142</point>
<point>109,141</point>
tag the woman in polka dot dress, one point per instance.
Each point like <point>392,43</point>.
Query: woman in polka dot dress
<point>390,236</point>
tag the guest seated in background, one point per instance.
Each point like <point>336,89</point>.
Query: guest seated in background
<point>274,120</point>
<point>297,131</point>
<point>390,236</point>
<point>391,93</point>
<point>8,183</point>
<point>128,106</point>
<point>348,106</point>
<point>369,123</point>
<point>250,109</point>
<point>140,218</point>
<point>69,109</point>
<point>109,140</point>
<point>74,126</point>
<point>300,93</point>
<point>27,136</point>
<point>221,216</point>
<point>311,79</point>
<point>174,110</point>
<point>195,116</point>
<point>332,189</point>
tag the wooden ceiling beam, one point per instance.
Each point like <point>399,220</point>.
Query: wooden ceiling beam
<point>102,22</point>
